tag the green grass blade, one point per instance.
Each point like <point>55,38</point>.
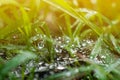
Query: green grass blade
<point>13,24</point>
<point>78,29</point>
<point>85,33</point>
<point>19,59</point>
<point>45,29</point>
<point>97,48</point>
<point>72,73</point>
<point>113,66</point>
<point>115,43</point>
<point>62,5</point>
<point>68,26</point>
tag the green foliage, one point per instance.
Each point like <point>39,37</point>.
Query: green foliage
<point>22,57</point>
<point>49,41</point>
<point>26,26</point>
<point>69,10</point>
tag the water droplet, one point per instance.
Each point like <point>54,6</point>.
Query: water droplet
<point>88,41</point>
<point>60,67</point>
<point>42,68</point>
<point>103,57</point>
<point>40,45</point>
<point>83,44</point>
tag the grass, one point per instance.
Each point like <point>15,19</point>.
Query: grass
<point>86,46</point>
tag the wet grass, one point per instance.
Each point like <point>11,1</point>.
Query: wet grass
<point>53,40</point>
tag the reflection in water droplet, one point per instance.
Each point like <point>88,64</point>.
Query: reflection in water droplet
<point>67,41</point>
<point>40,45</point>
<point>60,67</point>
<point>103,56</point>
<point>83,44</point>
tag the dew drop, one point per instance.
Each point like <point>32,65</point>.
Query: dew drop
<point>83,44</point>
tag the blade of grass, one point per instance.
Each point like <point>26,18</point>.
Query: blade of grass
<point>78,29</point>
<point>113,66</point>
<point>97,48</point>
<point>91,13</point>
<point>115,44</point>
<point>11,23</point>
<point>19,59</point>
<point>62,5</point>
<point>49,40</point>
<point>45,29</point>
<point>68,26</point>
<point>85,33</point>
<point>72,73</point>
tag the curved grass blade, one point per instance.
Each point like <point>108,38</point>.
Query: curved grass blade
<point>78,29</point>
<point>113,66</point>
<point>115,44</point>
<point>13,24</point>
<point>97,48</point>
<point>72,73</point>
<point>62,5</point>
<point>22,57</point>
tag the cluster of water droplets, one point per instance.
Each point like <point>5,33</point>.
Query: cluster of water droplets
<point>64,45</point>
<point>63,48</point>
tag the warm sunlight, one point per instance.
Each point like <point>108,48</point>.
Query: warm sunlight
<point>59,39</point>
